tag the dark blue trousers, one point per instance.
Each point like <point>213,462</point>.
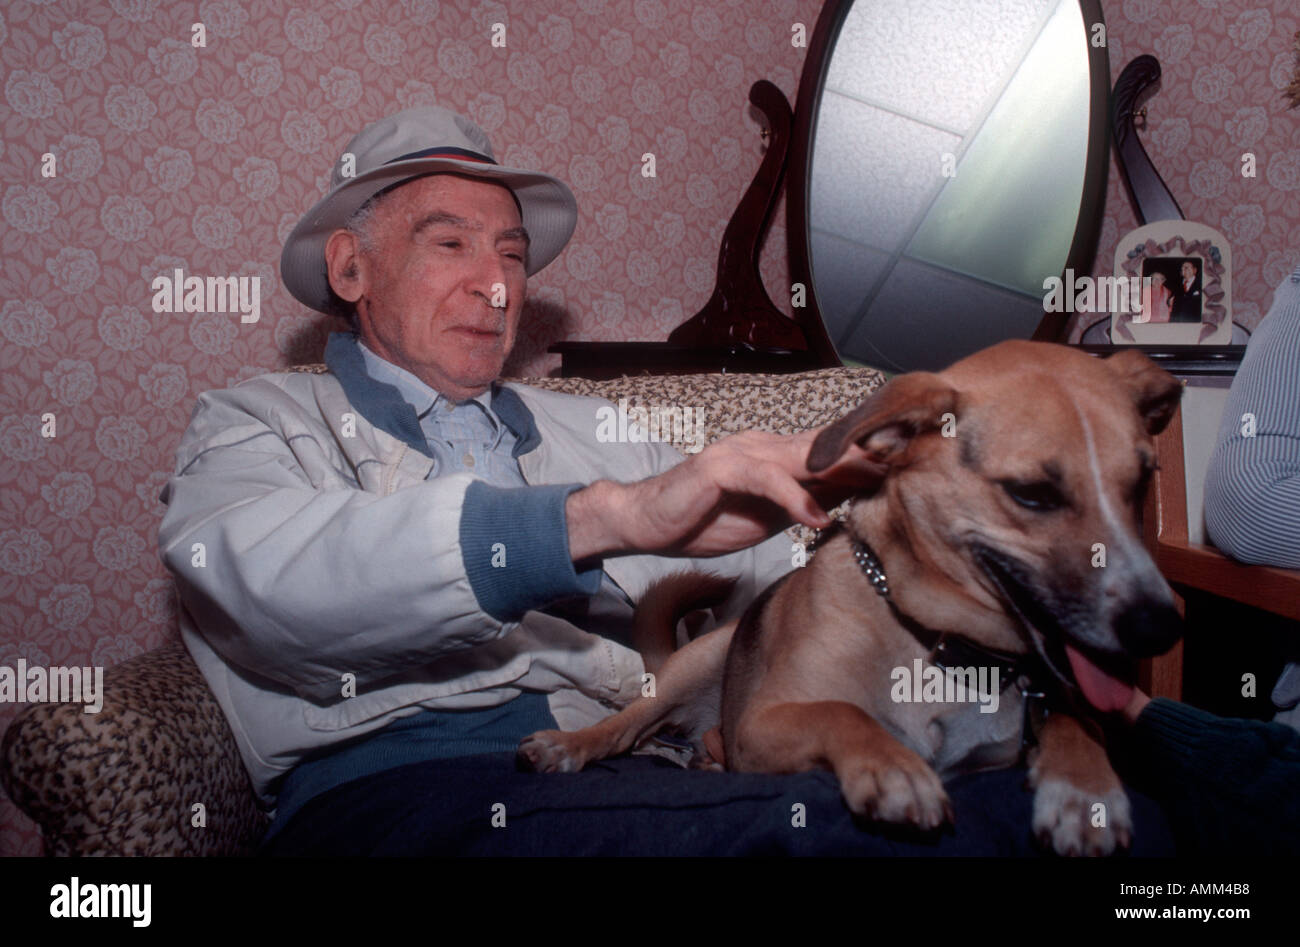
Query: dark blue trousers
<point>648,806</point>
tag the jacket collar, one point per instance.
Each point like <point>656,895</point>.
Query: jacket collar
<point>414,390</point>
<point>382,404</point>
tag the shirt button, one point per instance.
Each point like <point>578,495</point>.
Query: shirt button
<point>449,406</point>
<point>468,460</point>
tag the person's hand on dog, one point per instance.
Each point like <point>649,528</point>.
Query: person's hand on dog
<point>733,494</point>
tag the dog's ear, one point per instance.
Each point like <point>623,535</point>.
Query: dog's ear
<point>886,422</point>
<point>1155,392</point>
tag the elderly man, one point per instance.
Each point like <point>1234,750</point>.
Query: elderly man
<point>403,559</point>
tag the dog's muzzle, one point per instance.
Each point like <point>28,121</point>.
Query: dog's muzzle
<point>1105,678</point>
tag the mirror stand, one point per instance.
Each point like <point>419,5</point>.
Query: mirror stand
<point>1152,201</point>
<point>738,329</point>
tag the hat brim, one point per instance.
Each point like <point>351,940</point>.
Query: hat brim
<point>547,207</point>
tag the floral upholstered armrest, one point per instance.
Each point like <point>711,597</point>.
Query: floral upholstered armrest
<point>126,780</point>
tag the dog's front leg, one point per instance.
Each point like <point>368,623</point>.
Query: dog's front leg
<point>879,777</point>
<point>1080,807</point>
<point>686,695</point>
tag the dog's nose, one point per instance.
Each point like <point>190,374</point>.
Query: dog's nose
<point>1148,627</point>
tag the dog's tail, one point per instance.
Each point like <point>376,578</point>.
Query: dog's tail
<point>665,602</point>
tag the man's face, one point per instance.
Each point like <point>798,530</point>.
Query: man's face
<point>446,249</point>
<point>1189,271</point>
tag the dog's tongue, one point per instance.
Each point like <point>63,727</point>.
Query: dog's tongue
<point>1103,691</point>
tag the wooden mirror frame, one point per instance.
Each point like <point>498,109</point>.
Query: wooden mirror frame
<point>1083,248</point>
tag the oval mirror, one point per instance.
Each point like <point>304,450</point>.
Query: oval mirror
<point>953,156</point>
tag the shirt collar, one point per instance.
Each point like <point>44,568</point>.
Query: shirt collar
<point>393,399</point>
<point>415,391</point>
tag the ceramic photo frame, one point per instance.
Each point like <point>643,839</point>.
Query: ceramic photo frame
<point>1185,270</point>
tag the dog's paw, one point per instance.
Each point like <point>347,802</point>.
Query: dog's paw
<point>1072,821</point>
<point>899,788</point>
<point>701,759</point>
<point>549,751</point>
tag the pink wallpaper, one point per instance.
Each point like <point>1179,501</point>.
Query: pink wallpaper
<point>167,155</point>
<point>1224,64</point>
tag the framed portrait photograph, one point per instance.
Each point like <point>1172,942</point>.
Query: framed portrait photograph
<point>1185,273</point>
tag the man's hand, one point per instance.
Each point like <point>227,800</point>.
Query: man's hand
<point>733,494</point>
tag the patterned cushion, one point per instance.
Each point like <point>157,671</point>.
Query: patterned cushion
<point>125,781</point>
<point>782,404</point>
<point>779,403</point>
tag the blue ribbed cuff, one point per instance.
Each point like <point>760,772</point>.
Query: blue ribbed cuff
<point>515,544</point>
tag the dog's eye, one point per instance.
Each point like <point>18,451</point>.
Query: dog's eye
<point>1041,496</point>
<point>1143,482</point>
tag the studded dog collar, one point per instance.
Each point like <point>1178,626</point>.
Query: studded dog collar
<point>945,649</point>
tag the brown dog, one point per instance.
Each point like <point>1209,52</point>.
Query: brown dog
<point>998,555</point>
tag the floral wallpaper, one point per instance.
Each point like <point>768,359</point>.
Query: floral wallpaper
<point>142,136</point>
<point>1224,67</point>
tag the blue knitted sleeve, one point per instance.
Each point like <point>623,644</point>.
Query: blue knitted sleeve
<point>515,545</point>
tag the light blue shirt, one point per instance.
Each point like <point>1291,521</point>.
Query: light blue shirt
<point>462,435</point>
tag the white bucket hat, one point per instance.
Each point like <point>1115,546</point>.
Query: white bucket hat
<point>402,146</point>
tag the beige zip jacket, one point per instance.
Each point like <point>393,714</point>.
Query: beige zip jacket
<point>324,581</point>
